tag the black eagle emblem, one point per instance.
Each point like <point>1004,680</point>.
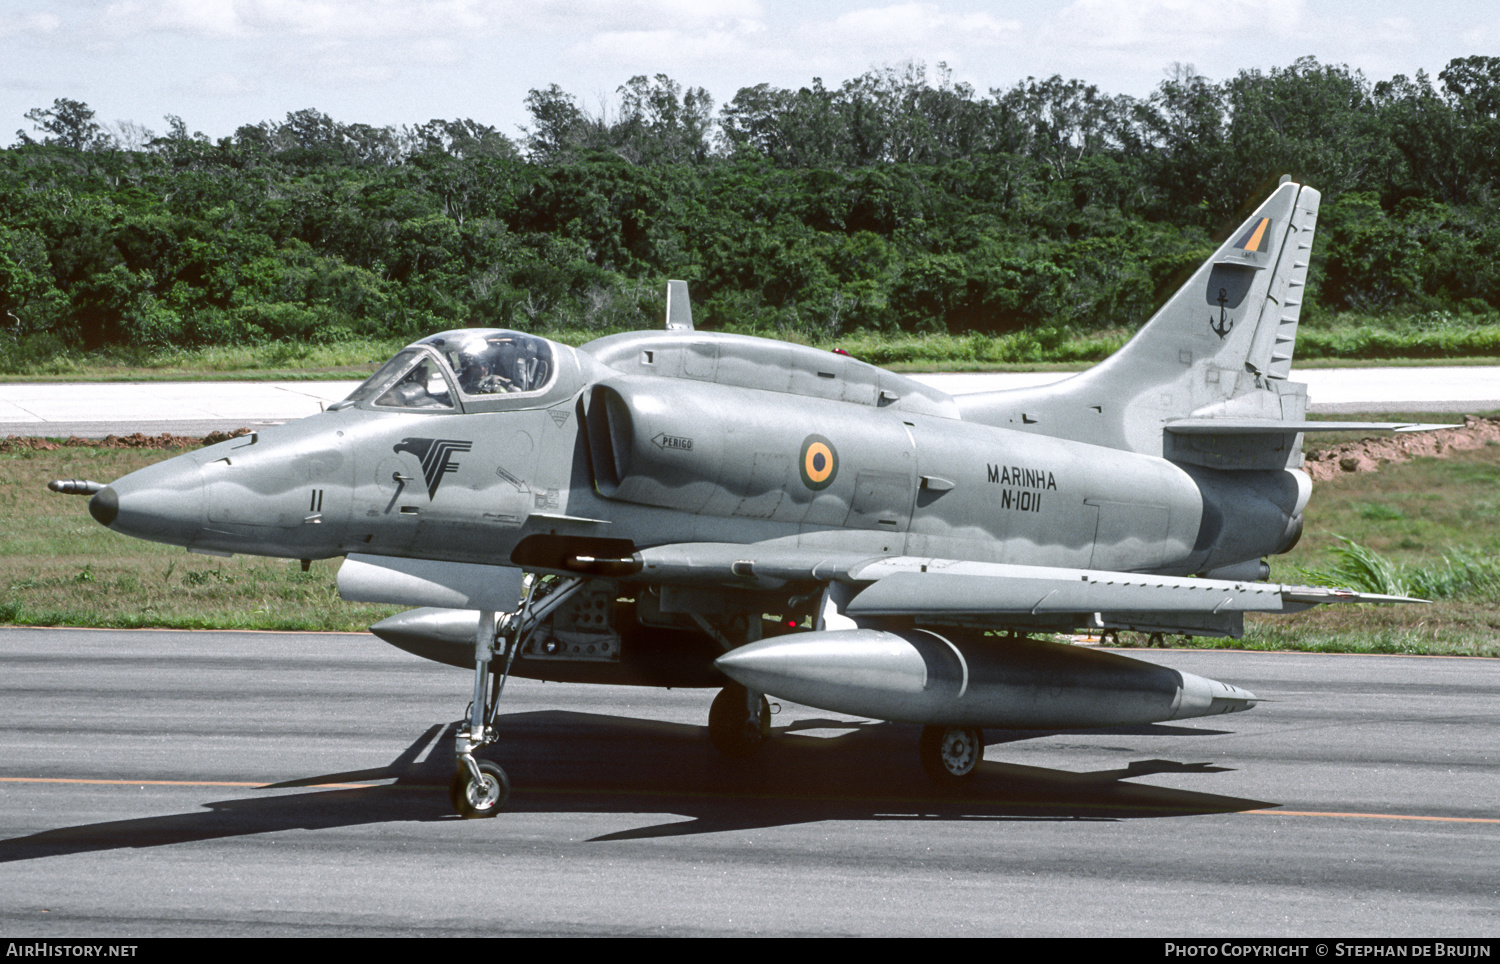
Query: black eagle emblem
<point>436,456</point>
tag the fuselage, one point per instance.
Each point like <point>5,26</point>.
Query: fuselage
<point>729,440</point>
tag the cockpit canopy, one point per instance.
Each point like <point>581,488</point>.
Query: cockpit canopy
<point>481,363</point>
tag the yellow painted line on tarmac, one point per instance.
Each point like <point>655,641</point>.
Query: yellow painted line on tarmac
<point>188,783</point>
<point>1369,816</point>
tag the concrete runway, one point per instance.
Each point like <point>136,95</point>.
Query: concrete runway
<point>96,409</point>
<point>175,783</point>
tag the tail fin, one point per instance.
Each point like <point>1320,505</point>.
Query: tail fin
<point>1220,347</point>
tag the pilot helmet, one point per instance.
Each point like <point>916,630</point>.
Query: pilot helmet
<point>475,351</point>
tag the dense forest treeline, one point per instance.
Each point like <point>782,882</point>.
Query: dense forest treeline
<point>894,202</point>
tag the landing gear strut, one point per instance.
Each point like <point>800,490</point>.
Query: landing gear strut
<point>739,721</point>
<point>950,753</point>
<point>480,788</point>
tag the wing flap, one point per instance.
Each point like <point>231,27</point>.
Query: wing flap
<point>935,594</point>
<point>934,588</point>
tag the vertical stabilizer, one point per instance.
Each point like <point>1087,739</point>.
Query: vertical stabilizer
<point>1221,346</point>
<point>679,309</point>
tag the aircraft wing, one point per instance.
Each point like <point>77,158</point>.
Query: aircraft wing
<point>931,590</point>
<point>935,587</point>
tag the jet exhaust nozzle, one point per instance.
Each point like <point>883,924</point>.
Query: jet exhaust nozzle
<point>962,678</point>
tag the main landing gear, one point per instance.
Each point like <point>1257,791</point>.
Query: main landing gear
<point>950,753</point>
<point>739,721</point>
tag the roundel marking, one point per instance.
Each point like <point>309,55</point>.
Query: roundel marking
<point>819,464</point>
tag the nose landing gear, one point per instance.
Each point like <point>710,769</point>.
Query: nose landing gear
<point>481,788</point>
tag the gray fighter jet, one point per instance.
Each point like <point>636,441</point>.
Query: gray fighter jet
<point>686,508</point>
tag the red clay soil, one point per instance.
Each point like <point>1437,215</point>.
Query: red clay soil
<point>1367,454</point>
<point>23,443</point>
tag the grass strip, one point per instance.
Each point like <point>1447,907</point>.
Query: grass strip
<point>1432,519</point>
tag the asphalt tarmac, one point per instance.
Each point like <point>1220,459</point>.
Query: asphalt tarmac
<point>187,783</point>
<point>97,409</point>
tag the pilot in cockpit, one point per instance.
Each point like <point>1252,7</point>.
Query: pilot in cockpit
<point>476,375</point>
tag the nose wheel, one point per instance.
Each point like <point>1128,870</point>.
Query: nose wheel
<point>482,792</point>
<point>950,753</point>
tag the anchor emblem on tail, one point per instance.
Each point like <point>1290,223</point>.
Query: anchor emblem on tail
<point>1224,324</point>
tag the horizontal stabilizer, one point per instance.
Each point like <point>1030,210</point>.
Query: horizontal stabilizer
<point>1271,426</point>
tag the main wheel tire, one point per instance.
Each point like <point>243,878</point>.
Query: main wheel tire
<point>950,754</point>
<point>483,799</point>
<point>730,728</point>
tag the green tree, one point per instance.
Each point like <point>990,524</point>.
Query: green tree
<point>660,123</point>
<point>67,123</point>
<point>560,129</point>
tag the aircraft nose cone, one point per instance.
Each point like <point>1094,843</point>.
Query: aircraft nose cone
<point>104,506</point>
<point>162,502</point>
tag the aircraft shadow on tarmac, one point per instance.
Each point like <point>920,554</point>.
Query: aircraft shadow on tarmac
<point>567,762</point>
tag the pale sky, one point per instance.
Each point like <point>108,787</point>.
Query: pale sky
<point>222,63</point>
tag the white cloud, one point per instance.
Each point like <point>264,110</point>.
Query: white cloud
<point>31,23</point>
<point>226,84</point>
<point>649,16</point>
<point>330,19</point>
<point>1152,27</point>
<point>916,24</point>
<point>652,51</point>
<point>1485,36</point>
<point>349,19</point>
<point>339,64</point>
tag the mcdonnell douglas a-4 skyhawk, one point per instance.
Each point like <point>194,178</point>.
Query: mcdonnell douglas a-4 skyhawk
<point>686,508</point>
